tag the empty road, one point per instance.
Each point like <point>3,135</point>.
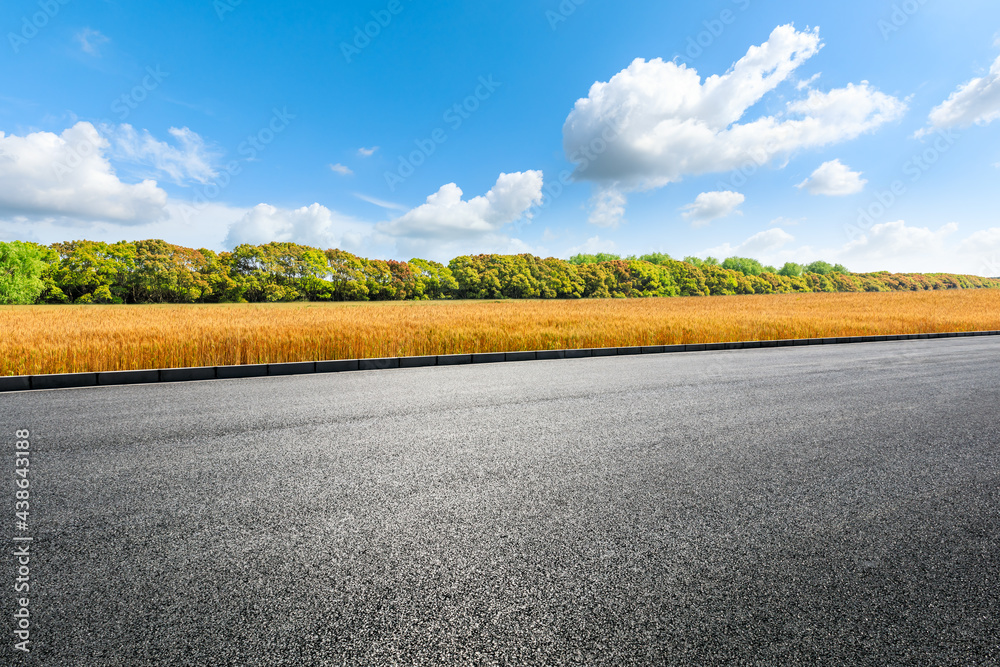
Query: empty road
<point>833,505</point>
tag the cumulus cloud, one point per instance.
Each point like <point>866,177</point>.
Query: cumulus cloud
<point>833,179</point>
<point>761,245</point>
<point>68,176</point>
<point>446,216</point>
<point>341,169</point>
<point>593,246</point>
<point>447,225</point>
<point>709,206</point>
<point>656,122</point>
<point>313,225</point>
<point>190,160</point>
<point>895,240</point>
<point>896,246</point>
<point>892,246</point>
<point>607,208</point>
<point>367,152</point>
<point>985,240</point>
<point>975,102</point>
<point>984,247</point>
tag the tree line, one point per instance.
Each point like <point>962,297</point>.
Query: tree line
<point>154,271</point>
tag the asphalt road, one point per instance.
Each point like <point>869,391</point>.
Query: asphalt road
<point>830,505</point>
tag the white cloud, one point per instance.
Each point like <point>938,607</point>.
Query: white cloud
<point>805,83</point>
<point>367,152</point>
<point>833,179</point>
<point>607,208</point>
<point>761,245</point>
<point>975,102</point>
<point>985,240</point>
<point>592,246</point>
<point>891,246</point>
<point>893,240</point>
<point>341,169</point>
<point>656,122</point>
<point>191,160</point>
<point>445,226</point>
<point>313,225</point>
<point>68,176</point>
<point>446,216</point>
<point>91,40</point>
<point>202,225</point>
<point>894,246</point>
<point>984,246</point>
<point>709,206</point>
<point>448,225</point>
<point>445,251</point>
<point>381,203</point>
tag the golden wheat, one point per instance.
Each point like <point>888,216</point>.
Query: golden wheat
<point>62,339</point>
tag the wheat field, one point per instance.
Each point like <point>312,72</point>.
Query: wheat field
<point>63,339</point>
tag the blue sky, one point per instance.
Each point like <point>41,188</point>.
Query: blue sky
<point>860,132</point>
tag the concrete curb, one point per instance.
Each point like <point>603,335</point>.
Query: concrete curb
<point>72,380</point>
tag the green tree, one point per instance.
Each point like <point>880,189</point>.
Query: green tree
<point>101,272</point>
<point>279,272</point>
<point>559,279</point>
<point>791,270</point>
<point>346,275</point>
<point>658,258</point>
<point>599,258</point>
<point>745,265</point>
<point>21,267</point>
<point>690,279</point>
<point>721,281</point>
<point>820,267</point>
<point>435,280</point>
<point>166,273</point>
<point>701,263</point>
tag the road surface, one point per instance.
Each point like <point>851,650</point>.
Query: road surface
<point>834,505</point>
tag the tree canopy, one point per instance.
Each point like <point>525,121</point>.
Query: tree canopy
<point>21,268</point>
<point>154,271</point>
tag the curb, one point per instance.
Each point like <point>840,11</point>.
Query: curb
<point>110,378</point>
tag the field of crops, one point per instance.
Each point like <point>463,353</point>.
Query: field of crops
<point>60,339</point>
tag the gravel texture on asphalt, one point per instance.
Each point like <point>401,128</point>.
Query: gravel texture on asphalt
<point>801,506</point>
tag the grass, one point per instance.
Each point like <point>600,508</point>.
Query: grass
<point>63,339</point>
